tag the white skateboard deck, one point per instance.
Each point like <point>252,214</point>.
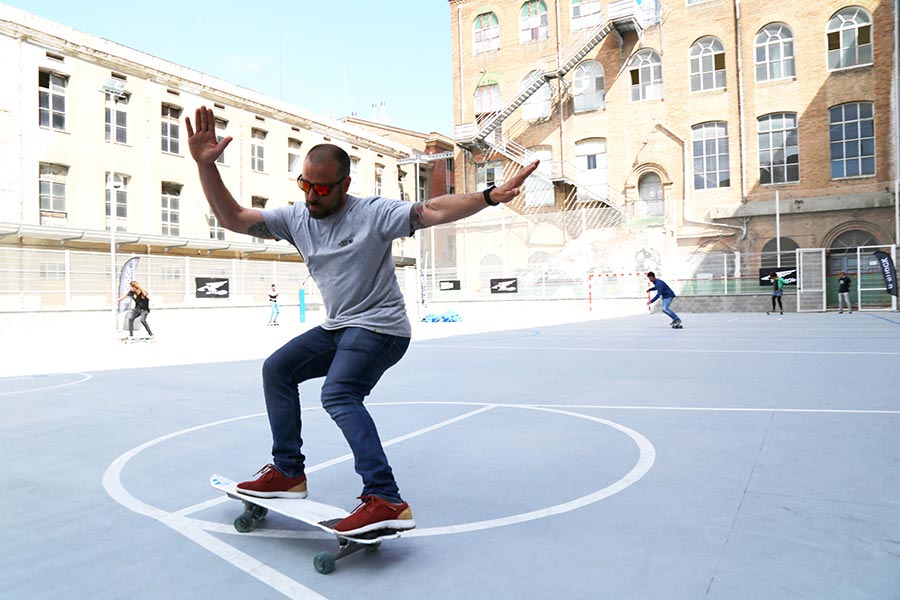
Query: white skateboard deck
<point>307,511</point>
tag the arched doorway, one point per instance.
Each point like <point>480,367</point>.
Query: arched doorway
<point>842,256</point>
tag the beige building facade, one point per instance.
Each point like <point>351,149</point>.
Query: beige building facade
<point>678,125</point>
<point>75,108</point>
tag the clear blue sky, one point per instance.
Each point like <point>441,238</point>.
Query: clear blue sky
<point>330,57</point>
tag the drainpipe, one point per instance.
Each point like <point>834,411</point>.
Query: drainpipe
<point>740,94</point>
<point>686,161</point>
<point>896,79</point>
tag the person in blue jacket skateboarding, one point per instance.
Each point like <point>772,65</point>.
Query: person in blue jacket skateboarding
<point>664,291</point>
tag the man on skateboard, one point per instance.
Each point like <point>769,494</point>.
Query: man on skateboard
<point>667,296</point>
<point>346,243</point>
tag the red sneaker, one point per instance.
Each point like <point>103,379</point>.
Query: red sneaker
<point>373,514</point>
<point>272,484</point>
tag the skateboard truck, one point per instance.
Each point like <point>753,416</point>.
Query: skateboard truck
<point>370,541</point>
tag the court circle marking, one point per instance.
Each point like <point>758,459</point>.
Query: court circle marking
<point>647,456</point>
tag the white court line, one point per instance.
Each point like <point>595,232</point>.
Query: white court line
<point>852,411</point>
<point>330,463</point>
<point>678,350</point>
<point>85,377</point>
<point>194,530</point>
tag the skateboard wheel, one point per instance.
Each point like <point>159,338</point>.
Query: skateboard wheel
<point>324,562</point>
<point>244,524</point>
<point>258,513</point>
<point>372,547</point>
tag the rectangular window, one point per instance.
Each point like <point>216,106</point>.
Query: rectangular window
<point>216,231</point>
<point>586,13</point>
<point>53,271</point>
<point>221,125</point>
<point>379,172</point>
<point>710,150</point>
<point>121,118</point>
<point>258,150</point>
<point>52,188</point>
<point>779,151</point>
<point>294,157</point>
<point>120,185</point>
<point>488,174</point>
<point>170,130</point>
<point>852,139</point>
<point>52,100</point>
<point>171,194</point>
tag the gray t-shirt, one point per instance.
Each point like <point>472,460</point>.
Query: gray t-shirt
<point>348,255</point>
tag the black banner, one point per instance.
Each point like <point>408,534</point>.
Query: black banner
<point>507,285</point>
<point>788,274</point>
<point>449,284</point>
<point>887,269</point>
<point>211,287</point>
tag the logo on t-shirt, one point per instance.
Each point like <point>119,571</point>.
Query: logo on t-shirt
<point>346,242</point>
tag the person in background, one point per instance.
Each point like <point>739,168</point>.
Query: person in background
<point>667,296</point>
<point>273,304</point>
<point>141,308</point>
<point>777,292</point>
<point>844,285</point>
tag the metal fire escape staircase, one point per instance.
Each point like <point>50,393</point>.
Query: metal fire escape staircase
<point>622,16</point>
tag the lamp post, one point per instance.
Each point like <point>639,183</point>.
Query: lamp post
<point>114,90</point>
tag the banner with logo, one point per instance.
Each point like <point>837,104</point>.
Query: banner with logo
<point>788,274</point>
<point>126,276</point>
<point>507,285</point>
<point>211,287</point>
<point>887,269</point>
<point>449,284</point>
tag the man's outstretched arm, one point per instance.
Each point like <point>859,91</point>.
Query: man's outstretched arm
<point>205,150</point>
<point>452,207</point>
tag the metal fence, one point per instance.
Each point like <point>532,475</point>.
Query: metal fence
<point>44,279</point>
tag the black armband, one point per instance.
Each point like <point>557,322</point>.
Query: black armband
<point>487,196</point>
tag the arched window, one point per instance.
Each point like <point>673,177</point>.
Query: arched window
<point>774,47</point>
<point>485,33</point>
<point>849,38</point>
<point>779,148</point>
<point>487,99</point>
<point>842,253</point>
<point>769,258</point>
<point>537,106</point>
<point>533,24</point>
<point>650,190</point>
<point>707,62</point>
<point>588,86</point>
<point>645,69</point>
<point>852,138</point>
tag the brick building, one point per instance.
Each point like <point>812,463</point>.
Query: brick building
<point>678,125</point>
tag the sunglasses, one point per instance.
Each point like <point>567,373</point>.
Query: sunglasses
<point>321,189</point>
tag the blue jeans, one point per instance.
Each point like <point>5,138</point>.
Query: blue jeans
<point>352,360</point>
<point>666,302</point>
<point>273,316</point>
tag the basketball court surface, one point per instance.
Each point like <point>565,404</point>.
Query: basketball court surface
<point>743,457</point>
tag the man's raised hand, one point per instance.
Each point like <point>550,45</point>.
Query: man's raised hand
<point>509,190</point>
<point>202,142</point>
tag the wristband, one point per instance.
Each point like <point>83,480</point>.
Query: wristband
<point>487,196</point>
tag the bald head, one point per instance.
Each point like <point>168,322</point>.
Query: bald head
<point>329,153</point>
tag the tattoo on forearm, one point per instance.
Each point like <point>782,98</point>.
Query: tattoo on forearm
<point>415,216</point>
<point>260,230</point>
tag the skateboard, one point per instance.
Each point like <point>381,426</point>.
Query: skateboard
<point>323,516</point>
<point>677,325</point>
<point>134,340</point>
